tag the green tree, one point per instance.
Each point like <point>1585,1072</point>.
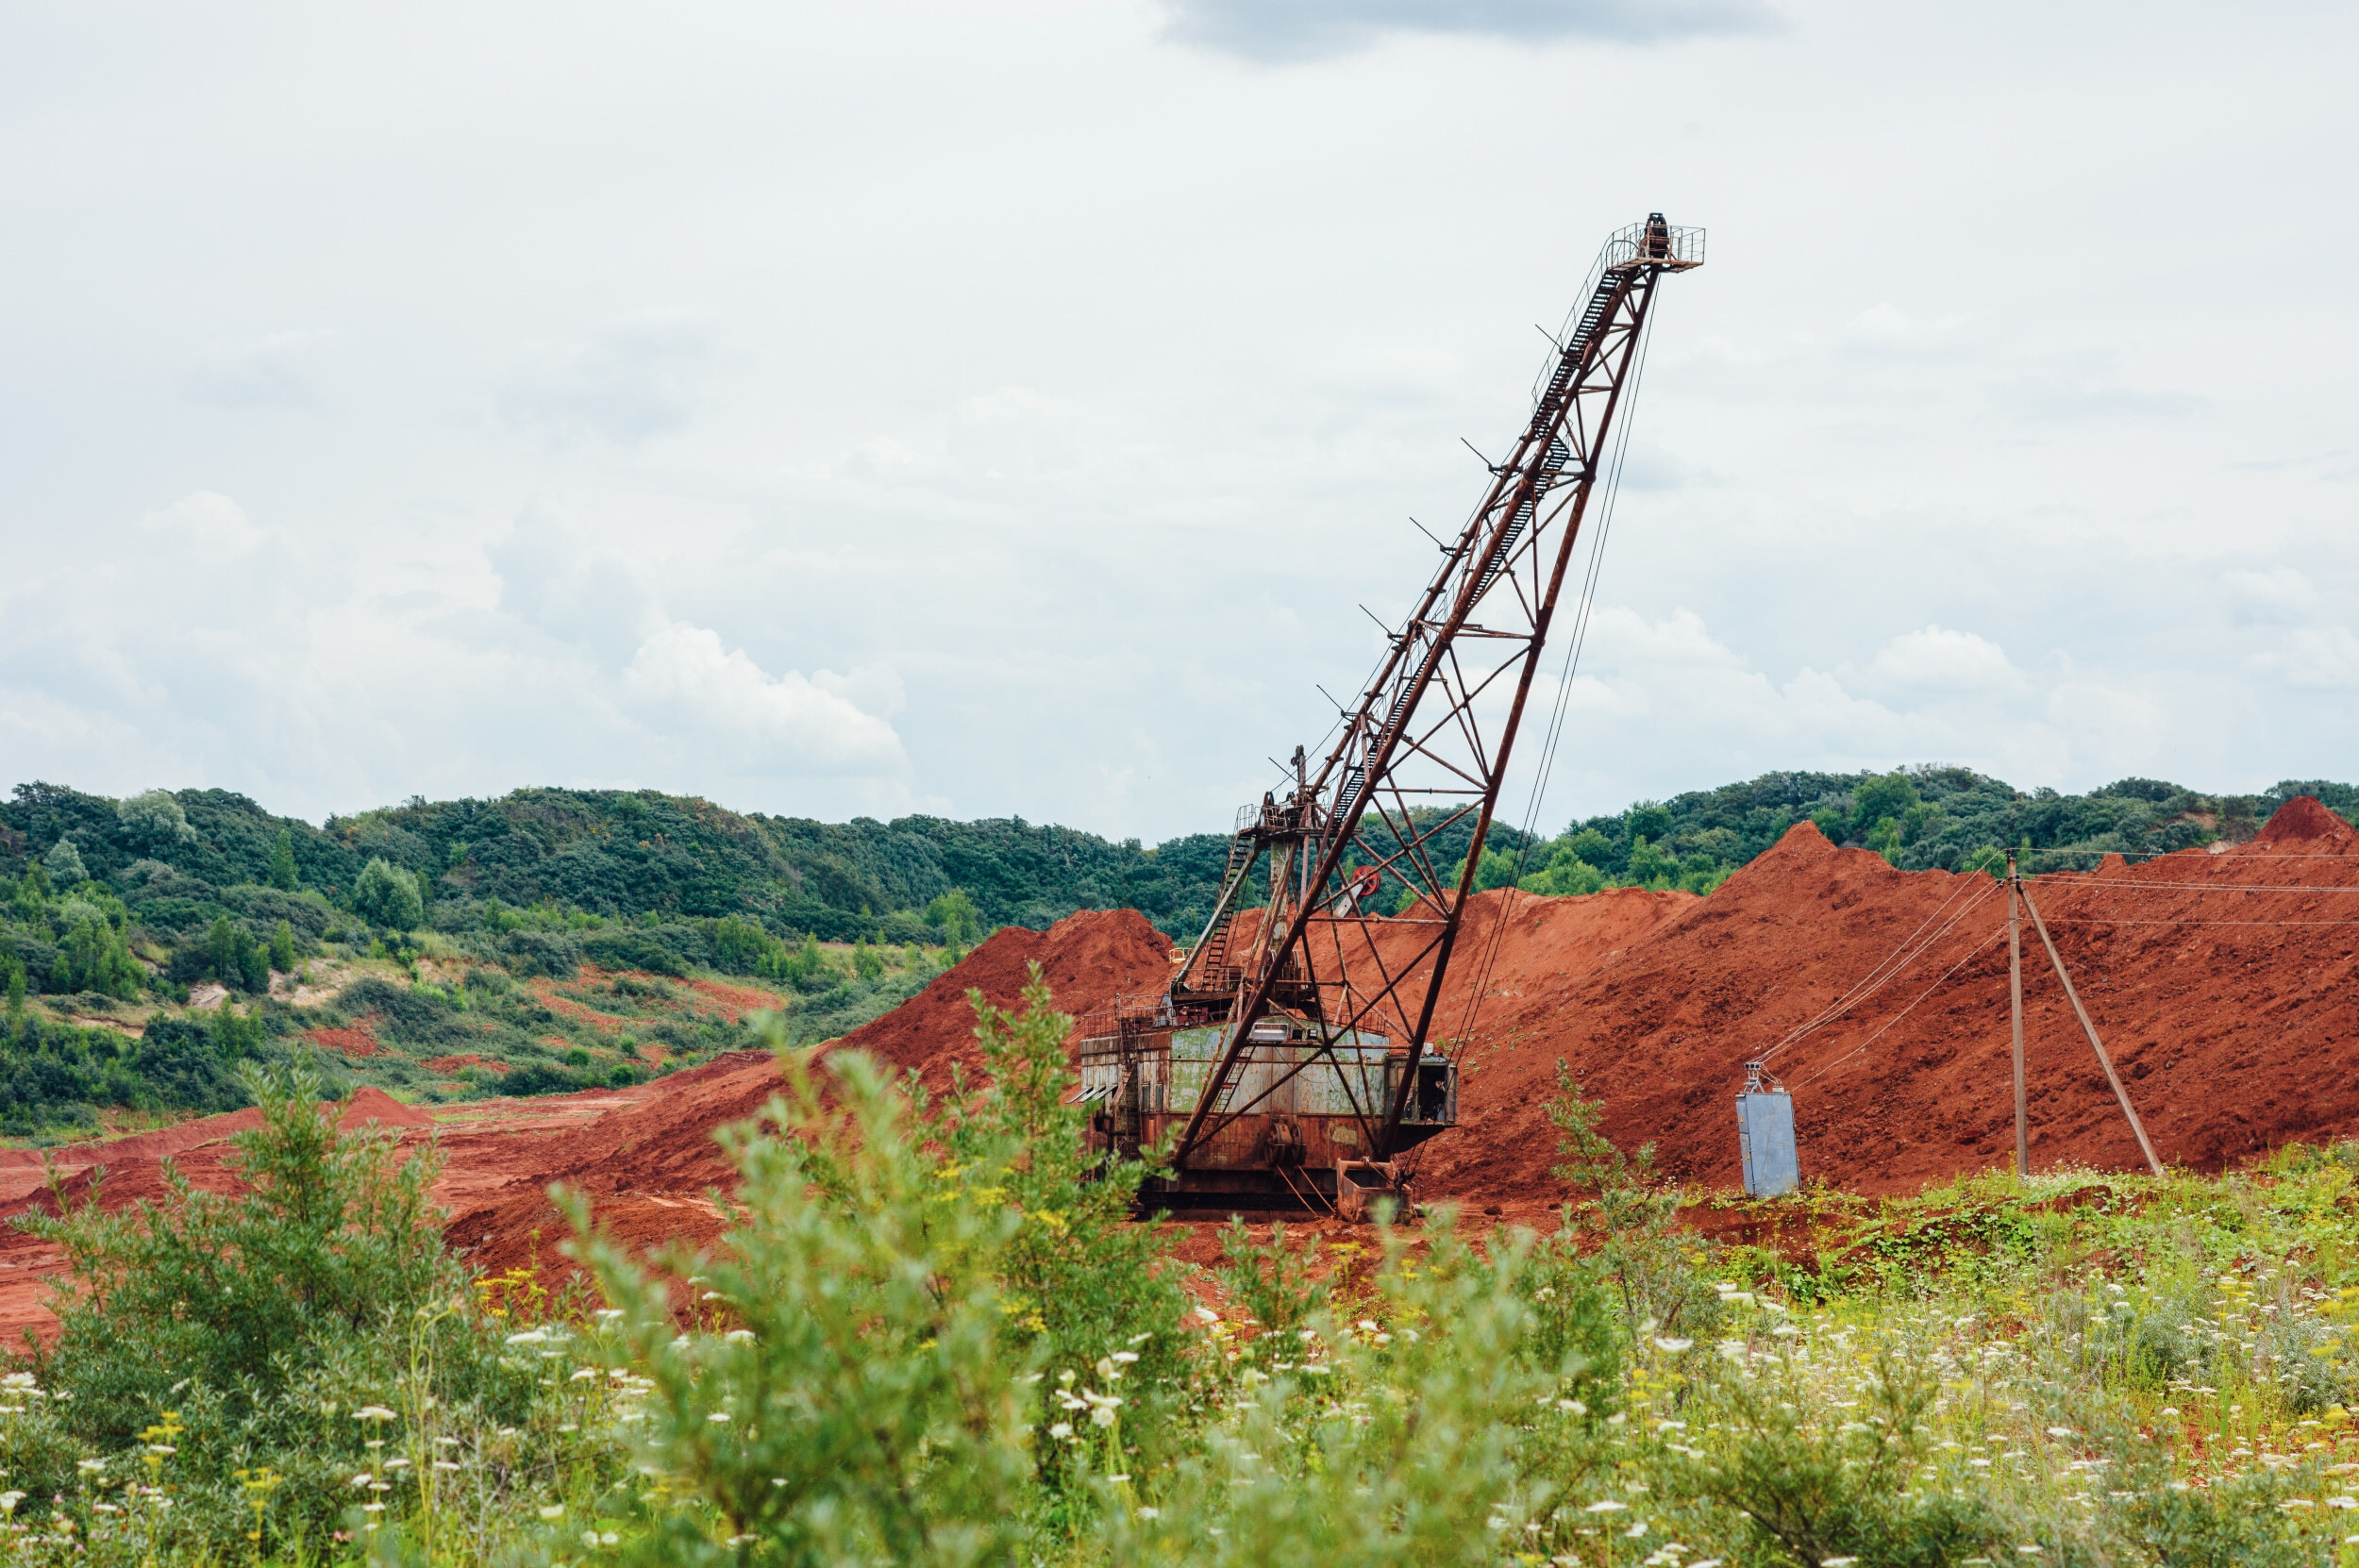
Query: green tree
<point>1890,795</point>
<point>282,861</point>
<point>865,963</point>
<point>388,897</point>
<point>64,865</point>
<point>155,822</point>
<point>955,917</point>
<point>282,948</point>
<point>16,989</point>
<point>235,958</point>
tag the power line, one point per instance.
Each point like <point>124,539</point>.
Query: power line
<point>1904,1012</point>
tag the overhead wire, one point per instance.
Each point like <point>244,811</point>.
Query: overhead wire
<point>1938,984</point>
<point>1913,946</point>
<point>1574,643</point>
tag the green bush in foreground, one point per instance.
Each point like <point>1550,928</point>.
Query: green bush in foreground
<point>931,1336</point>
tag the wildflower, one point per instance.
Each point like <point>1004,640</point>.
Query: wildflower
<point>1062,1429</point>
<point>738,1336</point>
<point>373,1412</point>
<point>1672,1348</point>
<point>92,1466</point>
<point>1837,1561</point>
<point>553,1511</point>
<point>1605,1506</point>
<point>718,1415</point>
<point>364,1479</point>
<point>9,1501</point>
<point>1150,1513</point>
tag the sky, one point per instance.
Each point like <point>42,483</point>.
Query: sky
<point>991,408</point>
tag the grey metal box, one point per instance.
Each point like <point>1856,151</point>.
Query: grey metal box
<point>1765,1136</point>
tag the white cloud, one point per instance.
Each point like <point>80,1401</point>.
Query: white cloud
<point>2319,658</point>
<point>633,380</point>
<point>203,523</point>
<point>683,678</point>
<point>274,371</point>
<point>1937,659</point>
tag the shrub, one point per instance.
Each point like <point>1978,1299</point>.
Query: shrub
<point>862,1406</point>
<point>331,1240</point>
<point>388,897</point>
<point>155,822</point>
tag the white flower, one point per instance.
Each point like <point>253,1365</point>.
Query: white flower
<point>2343,1502</point>
<point>9,1500</point>
<point>738,1336</point>
<point>553,1511</point>
<point>718,1415</point>
<point>1150,1513</point>
<point>1062,1429</point>
<point>1672,1348</point>
<point>92,1466</point>
<point>2060,1431</point>
<point>1605,1506</point>
<point>374,1413</point>
<point>1837,1561</point>
<point>1125,1357</point>
<point>1102,1416</point>
<point>364,1479</point>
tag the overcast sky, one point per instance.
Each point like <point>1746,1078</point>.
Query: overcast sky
<point>987,408</point>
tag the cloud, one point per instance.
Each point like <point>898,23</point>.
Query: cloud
<point>200,523</point>
<point>683,678</point>
<point>1286,31</point>
<point>636,378</point>
<point>557,577</point>
<point>2280,593</point>
<point>1937,659</point>
<point>274,372</point>
<point>2321,659</point>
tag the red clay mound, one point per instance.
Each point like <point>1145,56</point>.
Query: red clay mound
<point>374,1105</point>
<point>2234,1035</point>
<point>2304,821</point>
<point>1087,959</point>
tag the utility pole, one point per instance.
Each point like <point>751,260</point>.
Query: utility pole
<point>2088,1029</point>
<point>2015,996</point>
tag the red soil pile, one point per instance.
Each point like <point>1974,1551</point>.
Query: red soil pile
<point>460,1063</point>
<point>355,1041</point>
<point>2234,1034</point>
<point>1087,959</point>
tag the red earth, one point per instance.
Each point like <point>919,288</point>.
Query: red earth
<point>2221,981</point>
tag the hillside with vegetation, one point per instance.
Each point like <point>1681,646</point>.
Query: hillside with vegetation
<point>557,939</point>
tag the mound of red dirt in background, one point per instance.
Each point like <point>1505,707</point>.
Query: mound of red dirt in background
<point>2228,1007</point>
<point>1087,959</point>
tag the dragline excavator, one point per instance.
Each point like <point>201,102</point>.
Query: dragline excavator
<point>1298,1050</point>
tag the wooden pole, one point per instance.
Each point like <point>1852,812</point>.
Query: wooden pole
<point>2015,996</point>
<point>2102,1060</point>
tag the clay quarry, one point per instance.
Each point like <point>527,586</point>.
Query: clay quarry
<point>2229,1006</point>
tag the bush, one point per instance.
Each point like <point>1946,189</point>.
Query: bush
<point>331,1241</point>
<point>868,1412</point>
<point>388,897</point>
